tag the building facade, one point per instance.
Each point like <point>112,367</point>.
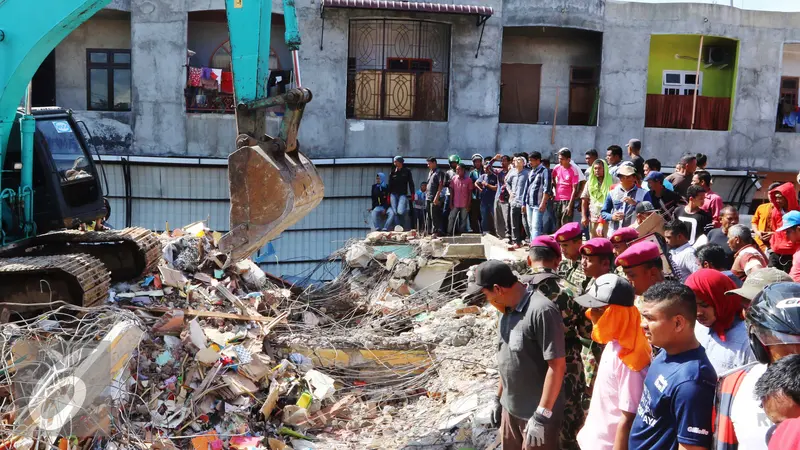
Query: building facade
<point>512,75</point>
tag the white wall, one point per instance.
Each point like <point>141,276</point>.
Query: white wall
<point>791,60</point>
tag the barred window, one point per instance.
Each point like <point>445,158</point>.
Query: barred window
<point>398,70</point>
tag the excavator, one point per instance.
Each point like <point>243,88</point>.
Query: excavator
<point>49,184</point>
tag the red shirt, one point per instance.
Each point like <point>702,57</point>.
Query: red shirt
<point>713,205</point>
<point>461,191</point>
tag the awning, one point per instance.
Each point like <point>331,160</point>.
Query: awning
<point>483,12</point>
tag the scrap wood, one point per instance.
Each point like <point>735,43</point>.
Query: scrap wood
<point>198,313</point>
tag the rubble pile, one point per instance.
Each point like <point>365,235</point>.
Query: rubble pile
<point>211,353</point>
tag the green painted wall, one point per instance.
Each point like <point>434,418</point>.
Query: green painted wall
<point>716,82</point>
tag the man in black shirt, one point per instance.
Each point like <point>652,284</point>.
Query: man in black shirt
<point>697,220</point>
<point>681,179</point>
<point>634,150</point>
<point>663,199</point>
<point>434,222</point>
<point>401,186</point>
<point>728,217</point>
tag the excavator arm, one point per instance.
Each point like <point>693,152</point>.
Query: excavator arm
<point>272,185</point>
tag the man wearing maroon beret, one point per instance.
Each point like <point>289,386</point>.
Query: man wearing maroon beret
<point>597,259</point>
<point>620,240</point>
<point>642,265</point>
<point>543,258</point>
<point>569,238</point>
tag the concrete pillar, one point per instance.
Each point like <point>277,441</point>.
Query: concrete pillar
<point>623,86</point>
<point>158,58</point>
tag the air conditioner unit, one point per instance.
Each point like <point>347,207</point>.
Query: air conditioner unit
<point>717,55</point>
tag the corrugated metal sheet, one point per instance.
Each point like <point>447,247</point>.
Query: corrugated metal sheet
<point>184,194</point>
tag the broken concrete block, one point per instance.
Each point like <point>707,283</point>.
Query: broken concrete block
<point>358,256</point>
<point>405,268</point>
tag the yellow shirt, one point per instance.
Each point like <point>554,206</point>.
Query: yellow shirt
<point>761,222</point>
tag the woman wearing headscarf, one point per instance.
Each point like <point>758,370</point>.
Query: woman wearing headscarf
<point>380,203</point>
<point>623,365</point>
<point>720,328</point>
<point>593,196</point>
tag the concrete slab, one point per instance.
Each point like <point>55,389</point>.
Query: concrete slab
<point>463,239</point>
<point>464,251</point>
<point>495,248</point>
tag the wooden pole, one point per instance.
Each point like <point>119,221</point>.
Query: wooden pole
<point>555,116</point>
<point>697,81</point>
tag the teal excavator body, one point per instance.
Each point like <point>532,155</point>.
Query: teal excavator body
<point>49,181</point>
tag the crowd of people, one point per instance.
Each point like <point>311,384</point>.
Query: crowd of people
<point>609,341</point>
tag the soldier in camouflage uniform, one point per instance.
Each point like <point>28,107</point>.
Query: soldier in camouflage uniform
<point>569,238</point>
<point>543,259</point>
<point>621,239</point>
<point>597,257</point>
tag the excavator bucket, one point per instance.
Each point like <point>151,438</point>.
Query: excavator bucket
<point>269,193</point>
<point>272,184</point>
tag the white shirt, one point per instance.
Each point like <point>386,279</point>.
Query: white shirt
<point>617,388</point>
<point>685,261</point>
<point>750,422</point>
<point>725,356</point>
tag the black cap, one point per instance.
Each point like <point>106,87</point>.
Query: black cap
<point>489,273</point>
<point>608,289</point>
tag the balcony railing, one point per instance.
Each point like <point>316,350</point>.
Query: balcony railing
<point>675,111</point>
<point>208,101</point>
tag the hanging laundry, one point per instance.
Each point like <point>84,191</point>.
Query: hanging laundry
<point>216,74</point>
<point>226,85</point>
<point>206,73</point>
<point>210,85</point>
<point>195,74</point>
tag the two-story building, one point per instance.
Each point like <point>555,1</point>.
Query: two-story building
<point>149,79</point>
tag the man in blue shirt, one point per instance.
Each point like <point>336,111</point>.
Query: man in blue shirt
<point>676,409</point>
<point>538,194</point>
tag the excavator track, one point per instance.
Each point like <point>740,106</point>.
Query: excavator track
<point>31,283</point>
<point>127,253</point>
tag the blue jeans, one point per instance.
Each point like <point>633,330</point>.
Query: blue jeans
<point>535,220</point>
<point>549,221</point>
<point>398,212</point>
<point>376,221</point>
<point>487,218</point>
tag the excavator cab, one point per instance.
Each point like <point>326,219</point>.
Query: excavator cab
<point>50,185</point>
<point>66,185</point>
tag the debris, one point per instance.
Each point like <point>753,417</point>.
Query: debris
<point>209,314</point>
<point>321,384</point>
<point>170,323</point>
<point>164,358</point>
<point>172,277</point>
<point>275,444</point>
<point>468,310</point>
<point>207,356</point>
<point>358,256</point>
<point>245,443</point>
<point>207,441</point>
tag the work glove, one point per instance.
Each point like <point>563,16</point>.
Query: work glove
<point>534,430</point>
<point>497,411</point>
